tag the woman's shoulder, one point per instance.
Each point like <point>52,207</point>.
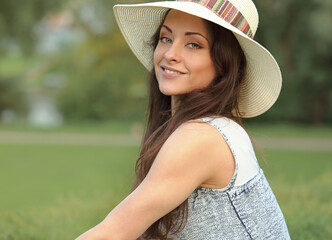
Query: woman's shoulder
<point>228,127</point>
<point>221,122</point>
<point>199,130</point>
<point>209,127</point>
<point>233,133</point>
<point>200,144</point>
<point>197,134</point>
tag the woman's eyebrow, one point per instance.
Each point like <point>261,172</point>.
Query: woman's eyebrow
<point>167,28</point>
<point>196,33</point>
<point>187,33</point>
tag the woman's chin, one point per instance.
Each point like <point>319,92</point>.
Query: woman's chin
<point>168,92</point>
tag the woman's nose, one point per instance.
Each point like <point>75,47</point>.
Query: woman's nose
<point>173,53</point>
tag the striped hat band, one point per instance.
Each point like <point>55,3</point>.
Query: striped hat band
<point>226,11</point>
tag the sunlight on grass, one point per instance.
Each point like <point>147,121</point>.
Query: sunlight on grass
<point>33,175</point>
<point>301,182</point>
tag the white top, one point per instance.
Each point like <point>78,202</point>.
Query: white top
<point>239,143</point>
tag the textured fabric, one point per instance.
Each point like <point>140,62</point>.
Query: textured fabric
<point>240,144</point>
<point>248,211</point>
<point>228,12</point>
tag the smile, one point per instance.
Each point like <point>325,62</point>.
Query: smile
<point>170,72</point>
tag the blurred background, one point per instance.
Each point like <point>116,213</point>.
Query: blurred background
<point>64,61</point>
<point>73,101</point>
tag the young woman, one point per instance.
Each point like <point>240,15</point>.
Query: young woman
<point>197,174</point>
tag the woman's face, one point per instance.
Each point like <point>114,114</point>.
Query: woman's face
<point>182,58</point>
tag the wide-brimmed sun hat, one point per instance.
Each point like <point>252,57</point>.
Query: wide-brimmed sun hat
<point>262,84</point>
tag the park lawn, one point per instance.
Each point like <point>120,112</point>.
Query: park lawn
<point>301,182</point>
<point>57,192</point>
<point>54,192</point>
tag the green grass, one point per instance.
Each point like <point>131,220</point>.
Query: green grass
<point>302,183</point>
<point>33,175</point>
<point>57,192</point>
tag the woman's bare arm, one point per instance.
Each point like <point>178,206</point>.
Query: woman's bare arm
<point>194,154</point>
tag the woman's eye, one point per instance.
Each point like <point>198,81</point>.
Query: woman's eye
<point>194,45</point>
<point>165,39</point>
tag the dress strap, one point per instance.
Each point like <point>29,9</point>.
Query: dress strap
<point>210,121</point>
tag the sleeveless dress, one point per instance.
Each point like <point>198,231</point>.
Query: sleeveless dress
<point>245,208</point>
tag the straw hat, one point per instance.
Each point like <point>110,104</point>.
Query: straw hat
<point>262,85</point>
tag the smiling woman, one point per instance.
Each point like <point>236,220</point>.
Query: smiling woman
<point>197,176</point>
<point>182,58</point>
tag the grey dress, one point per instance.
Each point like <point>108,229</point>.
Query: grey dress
<point>246,211</point>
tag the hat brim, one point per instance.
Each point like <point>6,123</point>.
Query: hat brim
<point>262,84</point>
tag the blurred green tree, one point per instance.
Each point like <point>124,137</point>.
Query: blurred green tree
<point>104,79</point>
<point>298,33</point>
<point>17,19</point>
<point>12,97</point>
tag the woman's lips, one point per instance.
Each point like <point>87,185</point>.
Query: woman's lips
<point>168,72</point>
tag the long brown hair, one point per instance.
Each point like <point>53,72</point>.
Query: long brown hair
<point>220,98</point>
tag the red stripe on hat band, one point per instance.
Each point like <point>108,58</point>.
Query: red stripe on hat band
<point>226,11</point>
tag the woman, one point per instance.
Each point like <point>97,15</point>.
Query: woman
<point>197,174</point>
